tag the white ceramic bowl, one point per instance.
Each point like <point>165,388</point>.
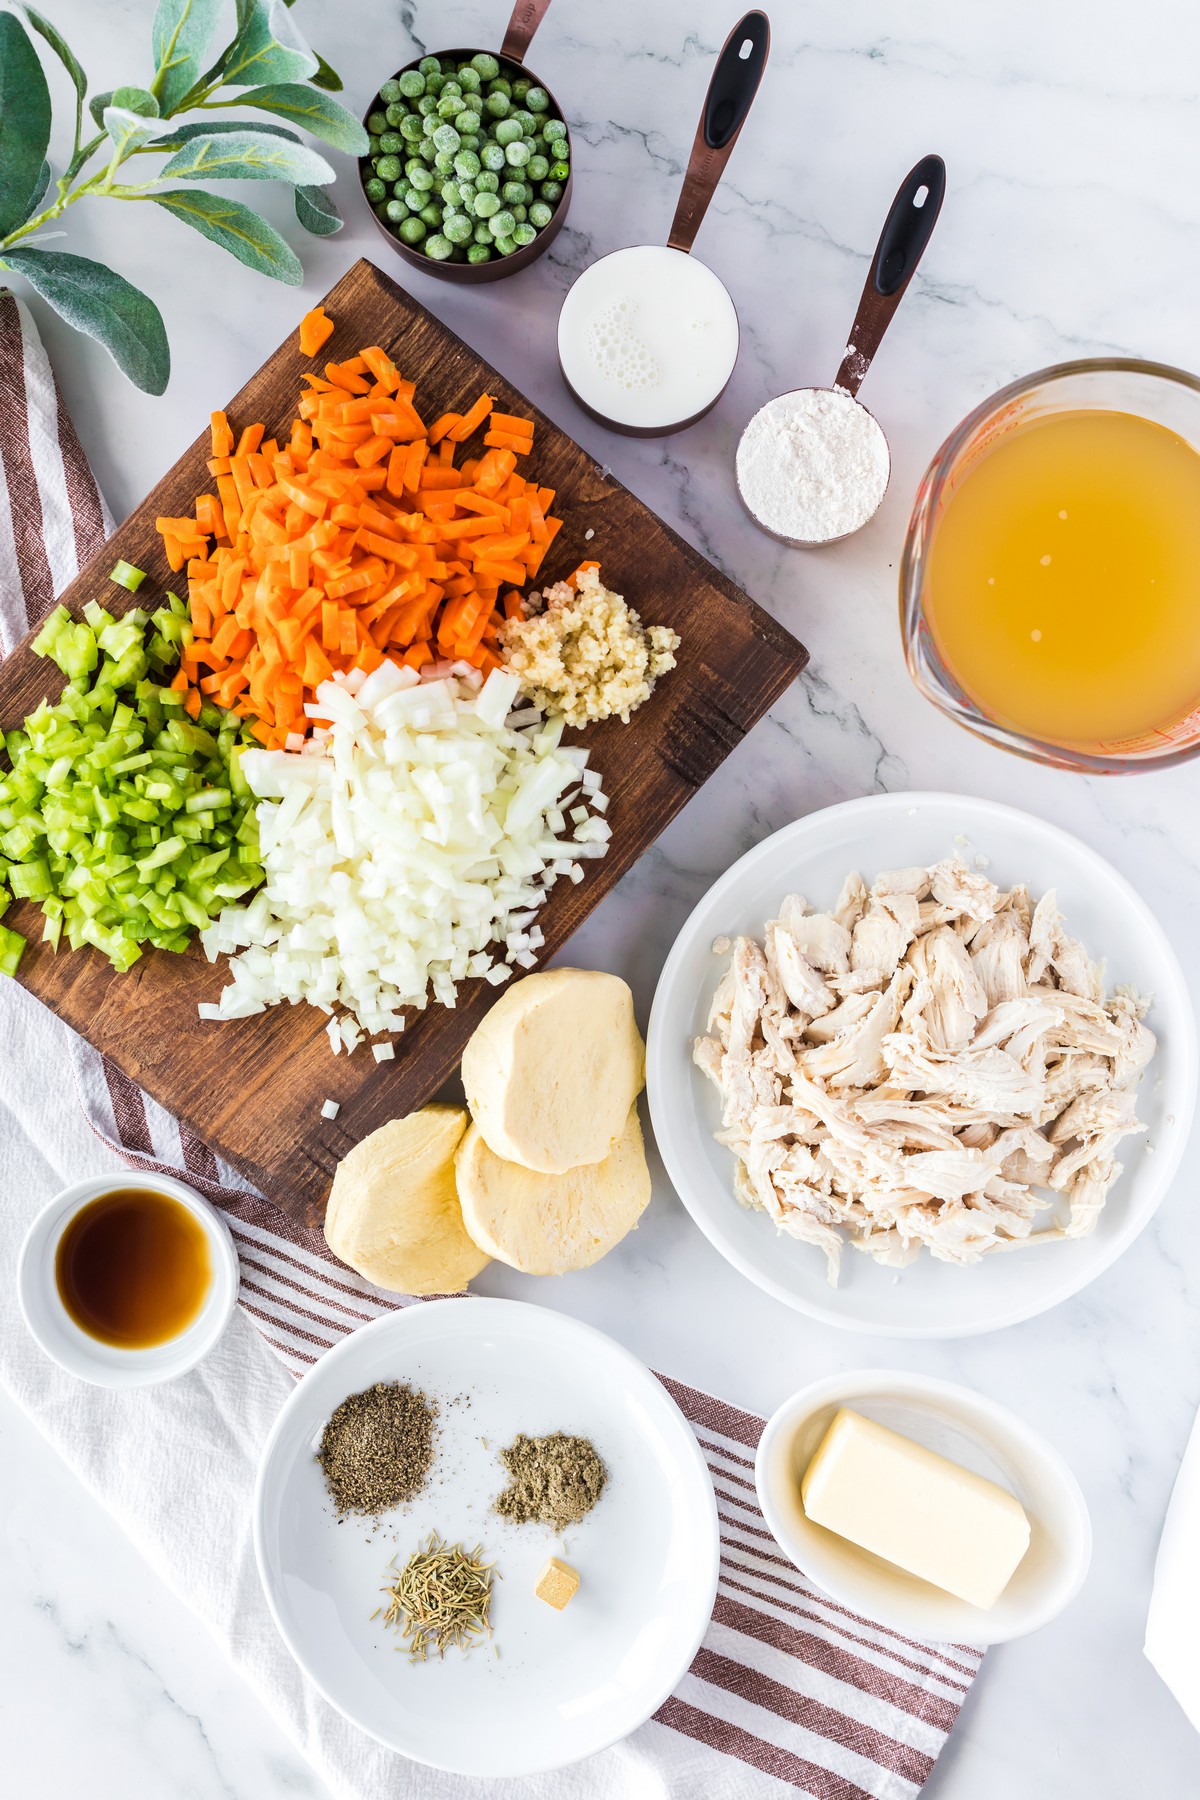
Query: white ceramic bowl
<point>565,1684</point>
<point>962,1425</point>
<point>107,1365</point>
<point>927,1299</point>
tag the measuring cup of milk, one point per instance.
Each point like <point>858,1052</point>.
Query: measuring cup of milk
<point>648,336</point>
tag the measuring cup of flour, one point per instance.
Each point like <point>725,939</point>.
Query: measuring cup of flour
<point>648,336</point>
<point>813,464</point>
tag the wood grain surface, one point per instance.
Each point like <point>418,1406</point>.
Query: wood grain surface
<point>254,1087</point>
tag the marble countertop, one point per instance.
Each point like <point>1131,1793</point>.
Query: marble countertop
<point>1070,228</point>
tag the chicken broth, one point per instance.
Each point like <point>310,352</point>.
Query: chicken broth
<point>1064,574</point>
<point>133,1268</point>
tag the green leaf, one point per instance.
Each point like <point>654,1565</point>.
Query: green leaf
<point>105,306</point>
<point>316,212</point>
<point>236,229</point>
<point>183,134</point>
<point>180,37</point>
<point>24,122</point>
<point>61,49</point>
<point>127,129</point>
<point>316,112</point>
<point>268,47</point>
<point>130,99</point>
<point>247,155</point>
<point>325,77</point>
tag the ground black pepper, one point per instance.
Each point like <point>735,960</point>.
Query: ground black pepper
<point>377,1447</point>
<point>554,1480</point>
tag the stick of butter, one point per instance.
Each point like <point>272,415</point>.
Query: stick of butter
<point>915,1509</point>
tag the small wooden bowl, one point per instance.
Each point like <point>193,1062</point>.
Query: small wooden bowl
<point>510,58</point>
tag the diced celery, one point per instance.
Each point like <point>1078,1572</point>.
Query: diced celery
<point>126,576</point>
<point>12,946</point>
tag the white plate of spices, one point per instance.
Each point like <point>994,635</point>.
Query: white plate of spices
<point>428,1477</point>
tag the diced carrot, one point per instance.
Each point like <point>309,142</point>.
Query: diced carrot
<point>315,329</point>
<point>222,434</point>
<point>472,419</point>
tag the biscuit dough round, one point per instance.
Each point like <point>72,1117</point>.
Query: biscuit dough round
<point>394,1214</point>
<point>551,1072</point>
<point>552,1224</point>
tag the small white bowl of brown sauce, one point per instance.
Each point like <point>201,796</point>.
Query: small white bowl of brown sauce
<point>126,1283</point>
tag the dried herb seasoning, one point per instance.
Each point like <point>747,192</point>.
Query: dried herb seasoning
<point>554,1480</point>
<point>377,1447</point>
<point>441,1598</point>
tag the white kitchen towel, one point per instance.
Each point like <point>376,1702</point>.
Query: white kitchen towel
<point>1171,1623</point>
<point>788,1693</point>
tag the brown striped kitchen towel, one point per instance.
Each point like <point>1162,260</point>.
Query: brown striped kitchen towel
<point>789,1691</point>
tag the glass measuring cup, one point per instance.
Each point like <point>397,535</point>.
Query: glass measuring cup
<point>1167,396</point>
<point>648,336</point>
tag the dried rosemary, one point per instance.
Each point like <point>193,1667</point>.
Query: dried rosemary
<point>553,1480</point>
<point>441,1597</point>
<point>377,1447</point>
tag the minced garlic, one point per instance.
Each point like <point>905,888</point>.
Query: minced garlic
<point>584,653</point>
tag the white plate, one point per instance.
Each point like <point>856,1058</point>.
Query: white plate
<point>969,1429</point>
<point>565,1684</point>
<point>928,1299</point>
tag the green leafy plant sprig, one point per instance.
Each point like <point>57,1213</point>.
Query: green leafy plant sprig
<point>266,66</point>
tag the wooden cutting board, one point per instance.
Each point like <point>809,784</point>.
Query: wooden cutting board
<point>253,1088</point>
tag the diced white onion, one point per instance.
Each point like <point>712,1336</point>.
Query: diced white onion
<point>406,850</point>
<point>330,1109</point>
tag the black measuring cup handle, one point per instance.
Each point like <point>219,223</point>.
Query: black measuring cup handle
<point>906,231</point>
<point>730,93</point>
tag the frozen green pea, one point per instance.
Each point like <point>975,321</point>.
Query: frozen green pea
<point>446,139</point>
<point>501,85</point>
<point>479,253</point>
<point>434,83</point>
<point>492,157</point>
<point>553,129</point>
<point>427,106</point>
<point>501,224</point>
<point>391,144</point>
<point>485,65</point>
<point>376,122</point>
<point>487,181</point>
<point>451,195</point>
<point>390,92</point>
<point>411,84</point>
<point>375,189</point>
<point>429,65</point>
<point>516,155</point>
<point>438,246</point>
<point>497,105</point>
<point>472,140</point>
<point>506,245</point>
<point>449,106</point>
<point>507,131</point>
<point>421,176</point>
<point>394,114</point>
<point>469,79</point>
<point>537,168</point>
<point>486,205</point>
<point>467,121</point>
<point>540,214</point>
<point>526,121</point>
<point>512,192</point>
<point>443,162</point>
<point>482,234</point>
<point>388,168</point>
<point>559,171</point>
<point>458,228</point>
<point>372,143</point>
<point>524,234</point>
<point>412,231</point>
<point>451,86</point>
<point>552,190</point>
<point>412,128</point>
<point>431,213</point>
<point>467,165</point>
<point>426,151</point>
<point>537,99</point>
<point>395,211</point>
<point>521,87</point>
<point>519,213</point>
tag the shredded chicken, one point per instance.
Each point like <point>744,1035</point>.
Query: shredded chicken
<point>932,1062</point>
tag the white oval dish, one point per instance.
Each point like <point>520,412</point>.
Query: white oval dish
<point>107,1365</point>
<point>967,1428</point>
<point>565,1684</point>
<point>928,1299</point>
